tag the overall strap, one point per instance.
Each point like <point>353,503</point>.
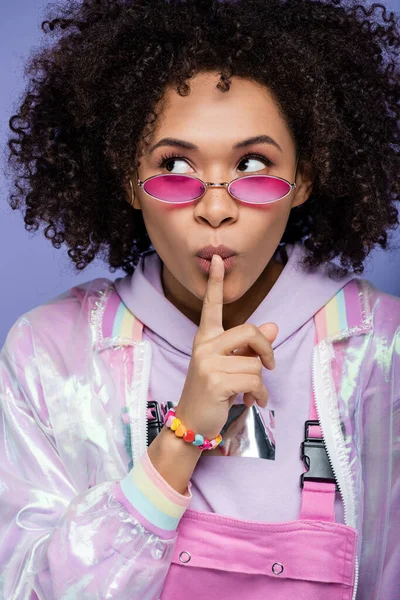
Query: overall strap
<point>318,495</point>
<point>318,482</point>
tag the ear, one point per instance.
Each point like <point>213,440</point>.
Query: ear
<point>133,191</point>
<point>304,185</point>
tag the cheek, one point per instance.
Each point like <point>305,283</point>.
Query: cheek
<point>167,230</point>
<point>264,225</point>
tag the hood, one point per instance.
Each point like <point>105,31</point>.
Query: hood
<point>294,299</point>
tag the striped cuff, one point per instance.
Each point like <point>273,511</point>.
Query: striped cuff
<point>153,498</point>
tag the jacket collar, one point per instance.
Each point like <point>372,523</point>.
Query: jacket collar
<point>347,313</point>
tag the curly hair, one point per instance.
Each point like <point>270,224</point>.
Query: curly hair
<point>90,104</point>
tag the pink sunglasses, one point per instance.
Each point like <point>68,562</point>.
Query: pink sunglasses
<point>252,189</point>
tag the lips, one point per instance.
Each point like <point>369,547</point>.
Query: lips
<point>208,251</point>
<point>205,263</point>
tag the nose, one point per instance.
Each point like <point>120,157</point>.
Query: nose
<point>217,206</point>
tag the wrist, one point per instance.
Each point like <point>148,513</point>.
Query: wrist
<point>171,442</point>
<point>174,459</point>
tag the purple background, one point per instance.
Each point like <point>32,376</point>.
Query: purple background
<point>32,271</point>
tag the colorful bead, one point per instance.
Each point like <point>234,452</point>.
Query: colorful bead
<point>175,423</point>
<point>206,445</point>
<point>180,430</point>
<point>189,436</point>
<point>198,440</point>
<point>168,422</point>
<point>170,414</point>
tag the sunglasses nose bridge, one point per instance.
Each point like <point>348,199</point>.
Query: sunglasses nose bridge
<point>209,184</point>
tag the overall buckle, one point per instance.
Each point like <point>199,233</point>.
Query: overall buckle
<point>315,459</point>
<point>155,422</point>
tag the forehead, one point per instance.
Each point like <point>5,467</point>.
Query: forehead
<point>206,113</point>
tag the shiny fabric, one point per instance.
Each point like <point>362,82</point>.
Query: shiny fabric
<point>64,535</point>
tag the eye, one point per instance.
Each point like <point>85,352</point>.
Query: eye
<point>253,159</point>
<point>167,160</point>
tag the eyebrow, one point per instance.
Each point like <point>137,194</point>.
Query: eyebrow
<point>258,139</point>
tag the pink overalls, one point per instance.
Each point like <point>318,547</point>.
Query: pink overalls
<point>312,558</point>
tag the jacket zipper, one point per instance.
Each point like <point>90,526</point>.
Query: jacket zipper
<point>328,416</point>
<point>139,398</point>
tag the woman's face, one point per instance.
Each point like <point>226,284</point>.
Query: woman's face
<point>214,122</point>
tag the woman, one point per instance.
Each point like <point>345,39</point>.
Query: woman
<point>192,382</point>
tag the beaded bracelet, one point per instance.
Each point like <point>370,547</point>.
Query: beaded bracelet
<point>171,421</point>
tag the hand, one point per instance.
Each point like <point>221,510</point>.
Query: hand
<point>223,363</point>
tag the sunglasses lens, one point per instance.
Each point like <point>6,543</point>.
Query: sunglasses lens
<point>174,188</point>
<point>259,189</point>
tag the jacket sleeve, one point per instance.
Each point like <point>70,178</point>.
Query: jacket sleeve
<point>390,582</point>
<point>380,573</point>
<point>113,540</point>
<point>390,585</point>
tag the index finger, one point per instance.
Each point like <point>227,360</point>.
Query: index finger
<point>213,301</point>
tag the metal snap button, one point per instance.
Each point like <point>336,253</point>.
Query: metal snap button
<point>277,568</point>
<point>185,559</point>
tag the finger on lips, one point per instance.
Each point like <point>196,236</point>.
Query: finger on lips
<point>213,302</point>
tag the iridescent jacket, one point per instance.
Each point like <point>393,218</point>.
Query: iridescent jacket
<point>63,531</point>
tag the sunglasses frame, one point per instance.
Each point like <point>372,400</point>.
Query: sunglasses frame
<point>208,184</point>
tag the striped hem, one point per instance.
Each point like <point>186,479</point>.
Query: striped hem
<point>118,320</point>
<point>341,313</point>
<point>149,493</point>
<point>119,495</point>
